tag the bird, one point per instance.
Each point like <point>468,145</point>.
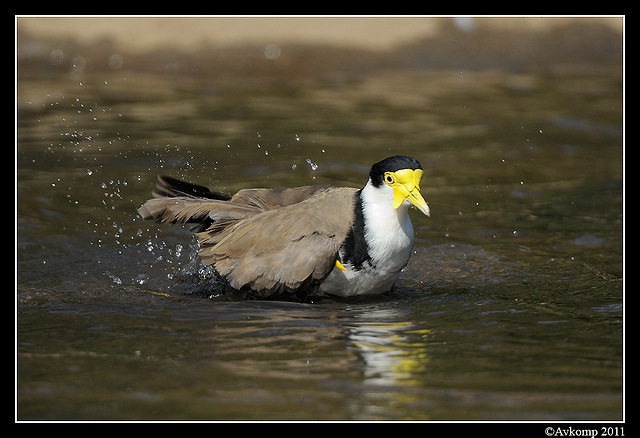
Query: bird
<point>301,242</point>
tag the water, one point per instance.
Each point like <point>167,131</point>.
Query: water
<point>511,307</point>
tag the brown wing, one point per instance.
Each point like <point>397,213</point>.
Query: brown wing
<point>269,199</point>
<point>268,240</point>
<point>180,202</point>
<point>284,249</point>
<point>202,212</point>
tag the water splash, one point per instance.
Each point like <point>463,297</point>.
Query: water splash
<point>312,165</point>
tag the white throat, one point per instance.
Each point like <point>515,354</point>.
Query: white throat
<point>388,231</point>
<point>389,236</point>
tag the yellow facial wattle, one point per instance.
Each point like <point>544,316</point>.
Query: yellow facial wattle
<point>406,185</point>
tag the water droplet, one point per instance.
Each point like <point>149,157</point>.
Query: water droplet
<point>313,165</point>
<point>113,278</point>
<point>141,279</point>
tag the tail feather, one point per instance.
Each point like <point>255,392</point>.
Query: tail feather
<point>201,212</point>
<point>171,187</point>
<point>180,202</point>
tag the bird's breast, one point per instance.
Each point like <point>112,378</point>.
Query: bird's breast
<point>367,280</point>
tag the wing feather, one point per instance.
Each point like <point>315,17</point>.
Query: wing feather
<point>181,210</point>
<point>285,249</point>
<point>268,240</point>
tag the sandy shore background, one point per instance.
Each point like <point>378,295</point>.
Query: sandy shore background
<point>199,45</point>
<point>144,34</point>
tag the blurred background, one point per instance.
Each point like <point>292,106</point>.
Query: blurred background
<point>303,46</point>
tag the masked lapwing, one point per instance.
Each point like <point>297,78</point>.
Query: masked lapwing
<point>304,241</point>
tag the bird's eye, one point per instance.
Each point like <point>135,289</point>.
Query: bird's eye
<point>389,178</point>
